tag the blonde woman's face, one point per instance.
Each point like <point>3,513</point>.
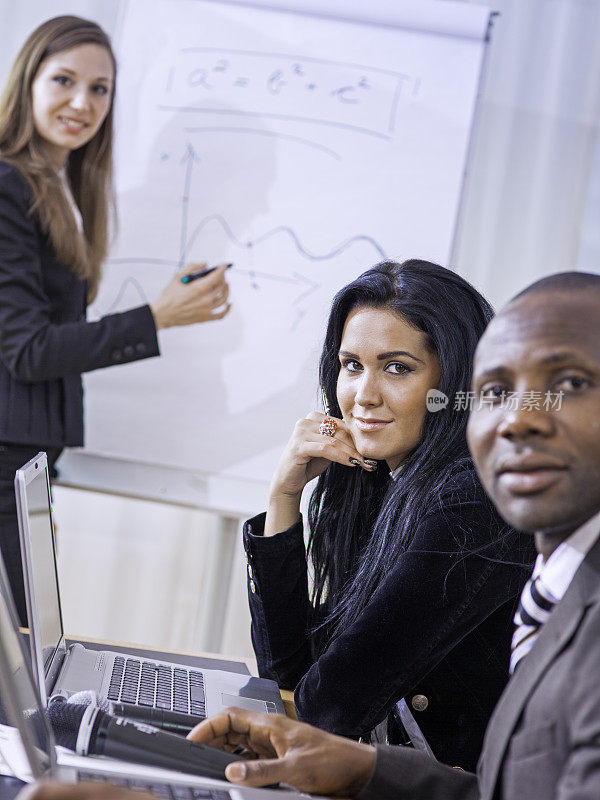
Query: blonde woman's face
<point>71,95</point>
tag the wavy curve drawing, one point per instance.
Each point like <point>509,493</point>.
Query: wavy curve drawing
<point>306,285</point>
<point>283,229</point>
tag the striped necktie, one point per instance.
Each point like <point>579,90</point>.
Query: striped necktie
<point>535,605</point>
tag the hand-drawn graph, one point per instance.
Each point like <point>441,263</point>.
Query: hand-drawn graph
<point>131,287</point>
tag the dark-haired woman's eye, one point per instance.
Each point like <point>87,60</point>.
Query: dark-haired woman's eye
<point>100,89</point>
<point>350,365</point>
<point>398,368</point>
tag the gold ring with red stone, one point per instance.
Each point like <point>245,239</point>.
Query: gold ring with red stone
<point>328,427</point>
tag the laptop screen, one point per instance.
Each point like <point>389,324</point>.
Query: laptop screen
<point>42,579</point>
<point>19,700</point>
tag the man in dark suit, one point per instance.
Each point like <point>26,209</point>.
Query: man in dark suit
<point>534,432</point>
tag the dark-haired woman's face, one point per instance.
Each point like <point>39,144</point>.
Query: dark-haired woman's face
<point>386,370</point>
<point>71,95</point>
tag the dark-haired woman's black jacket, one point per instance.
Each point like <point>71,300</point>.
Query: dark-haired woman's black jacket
<point>436,632</point>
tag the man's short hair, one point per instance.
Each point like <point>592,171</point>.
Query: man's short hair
<point>567,281</point>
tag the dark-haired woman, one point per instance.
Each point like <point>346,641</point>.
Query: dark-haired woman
<point>415,576</point>
<point>56,136</point>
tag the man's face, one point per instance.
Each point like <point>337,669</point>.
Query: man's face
<point>540,465</point>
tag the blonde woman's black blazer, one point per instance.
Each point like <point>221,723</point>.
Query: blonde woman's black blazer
<point>45,341</point>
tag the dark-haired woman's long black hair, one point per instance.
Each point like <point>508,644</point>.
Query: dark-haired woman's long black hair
<point>360,522</point>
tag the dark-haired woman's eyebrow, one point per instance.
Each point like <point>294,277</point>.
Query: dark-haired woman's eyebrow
<point>396,353</point>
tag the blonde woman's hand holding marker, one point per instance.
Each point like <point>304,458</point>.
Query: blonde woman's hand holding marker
<point>202,300</point>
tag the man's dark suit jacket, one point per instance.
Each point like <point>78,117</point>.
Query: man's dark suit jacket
<point>543,741</point>
<point>45,342</point>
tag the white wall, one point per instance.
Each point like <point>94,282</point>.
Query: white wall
<point>528,184</point>
<point>143,572</point>
<point>589,245</point>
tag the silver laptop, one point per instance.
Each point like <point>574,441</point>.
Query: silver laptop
<point>21,708</point>
<point>123,677</point>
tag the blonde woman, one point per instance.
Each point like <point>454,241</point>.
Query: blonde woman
<point>56,120</point>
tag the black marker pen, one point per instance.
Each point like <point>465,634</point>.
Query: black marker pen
<point>201,273</point>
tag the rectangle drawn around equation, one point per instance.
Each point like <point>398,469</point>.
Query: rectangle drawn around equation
<point>280,86</point>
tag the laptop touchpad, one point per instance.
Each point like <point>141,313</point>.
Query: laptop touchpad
<point>242,702</point>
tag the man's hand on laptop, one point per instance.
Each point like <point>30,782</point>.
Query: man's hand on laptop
<point>51,790</point>
<point>281,750</point>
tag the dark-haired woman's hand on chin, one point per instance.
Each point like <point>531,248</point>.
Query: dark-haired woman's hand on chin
<point>200,300</point>
<point>307,454</point>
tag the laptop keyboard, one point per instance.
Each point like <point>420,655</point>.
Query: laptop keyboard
<point>166,791</point>
<point>146,683</point>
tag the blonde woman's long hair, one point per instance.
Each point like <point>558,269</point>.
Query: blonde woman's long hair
<point>89,168</point>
